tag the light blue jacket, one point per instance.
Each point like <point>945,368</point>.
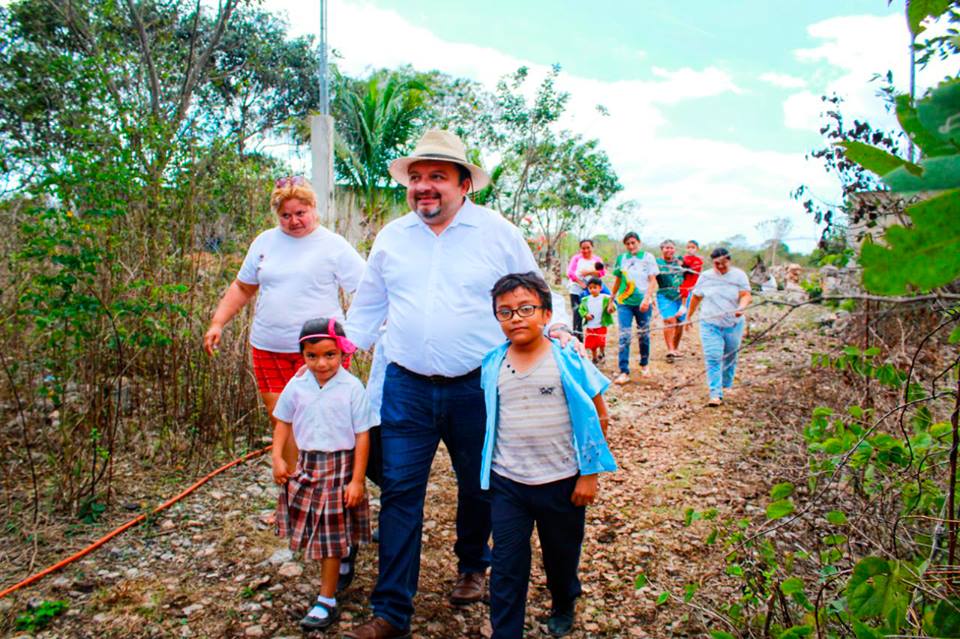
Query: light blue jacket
<point>581,383</point>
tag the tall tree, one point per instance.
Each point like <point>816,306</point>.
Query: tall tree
<point>154,76</point>
<point>548,182</point>
<point>377,120</point>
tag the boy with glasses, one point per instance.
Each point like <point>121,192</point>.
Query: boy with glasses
<point>545,444</point>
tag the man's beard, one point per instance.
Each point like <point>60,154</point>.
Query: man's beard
<point>432,213</point>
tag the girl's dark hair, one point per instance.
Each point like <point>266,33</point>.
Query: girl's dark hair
<point>586,239</point>
<point>719,252</point>
<point>318,326</point>
<point>631,234</point>
<point>694,242</point>
<point>527,281</point>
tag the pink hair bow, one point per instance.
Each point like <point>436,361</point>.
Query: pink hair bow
<point>347,347</point>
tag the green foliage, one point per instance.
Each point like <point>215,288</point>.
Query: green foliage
<point>890,470</point>
<point>40,617</point>
<point>836,518</point>
<point>919,10</point>
<point>153,74</point>
<point>780,508</point>
<point>944,621</point>
<point>923,255</point>
<point>781,490</point>
<point>90,510</point>
<point>880,590</point>
<point>877,160</point>
<point>377,120</point>
<point>548,182</point>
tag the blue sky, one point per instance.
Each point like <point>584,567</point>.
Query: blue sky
<point>713,105</point>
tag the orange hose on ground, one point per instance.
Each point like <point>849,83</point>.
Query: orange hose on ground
<point>130,524</point>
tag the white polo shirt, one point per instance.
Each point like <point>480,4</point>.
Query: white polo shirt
<point>325,418</point>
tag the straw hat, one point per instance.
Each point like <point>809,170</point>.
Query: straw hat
<point>442,146</point>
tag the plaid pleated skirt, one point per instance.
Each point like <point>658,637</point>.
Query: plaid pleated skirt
<point>311,511</point>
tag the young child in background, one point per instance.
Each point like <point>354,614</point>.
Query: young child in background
<point>692,265</point>
<point>596,318</point>
<point>544,446</point>
<point>323,507</point>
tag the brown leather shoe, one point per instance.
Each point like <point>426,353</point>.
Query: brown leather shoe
<point>377,628</point>
<point>469,588</point>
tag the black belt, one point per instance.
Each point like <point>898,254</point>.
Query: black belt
<point>440,379</point>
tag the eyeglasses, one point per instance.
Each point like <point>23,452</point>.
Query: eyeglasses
<point>290,180</point>
<point>505,314</point>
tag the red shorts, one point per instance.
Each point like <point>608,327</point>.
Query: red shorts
<point>274,370</point>
<point>595,338</point>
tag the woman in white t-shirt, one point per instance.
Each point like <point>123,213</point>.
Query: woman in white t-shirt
<point>296,270</point>
<point>724,295</point>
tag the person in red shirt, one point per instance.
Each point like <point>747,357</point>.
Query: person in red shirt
<point>692,264</point>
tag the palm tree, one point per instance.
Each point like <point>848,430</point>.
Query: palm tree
<point>377,120</point>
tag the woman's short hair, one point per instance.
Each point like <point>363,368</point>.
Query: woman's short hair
<point>631,234</point>
<point>290,188</point>
<point>587,240</point>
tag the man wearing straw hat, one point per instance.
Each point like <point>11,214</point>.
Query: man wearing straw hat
<point>429,276</point>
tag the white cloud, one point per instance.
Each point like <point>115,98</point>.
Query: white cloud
<point>686,186</point>
<point>853,56</point>
<point>687,83</point>
<point>783,80</point>
<point>855,51</point>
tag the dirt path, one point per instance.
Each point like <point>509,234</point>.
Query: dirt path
<point>210,567</point>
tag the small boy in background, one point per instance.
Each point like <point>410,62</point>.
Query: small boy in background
<point>596,318</point>
<point>692,265</point>
<point>545,444</point>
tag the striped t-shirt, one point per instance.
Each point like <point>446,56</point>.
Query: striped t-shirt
<point>534,443</point>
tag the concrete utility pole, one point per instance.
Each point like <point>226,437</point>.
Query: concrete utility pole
<point>321,135</point>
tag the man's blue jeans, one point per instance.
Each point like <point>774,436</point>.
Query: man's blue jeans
<point>721,348</point>
<point>415,415</point>
<point>626,314</point>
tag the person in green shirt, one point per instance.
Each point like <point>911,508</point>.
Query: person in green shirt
<point>595,310</point>
<point>635,284</point>
<point>668,297</point>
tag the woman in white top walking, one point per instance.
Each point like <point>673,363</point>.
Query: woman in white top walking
<point>724,293</point>
<point>296,270</point>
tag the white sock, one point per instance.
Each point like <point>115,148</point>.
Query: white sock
<point>319,611</point>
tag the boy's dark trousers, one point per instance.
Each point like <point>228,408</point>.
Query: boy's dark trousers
<point>514,508</point>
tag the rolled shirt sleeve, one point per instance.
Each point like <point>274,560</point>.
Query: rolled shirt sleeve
<point>370,304</point>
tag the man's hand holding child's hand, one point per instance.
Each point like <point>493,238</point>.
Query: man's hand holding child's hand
<point>589,317</point>
<point>585,491</point>
<point>353,494</point>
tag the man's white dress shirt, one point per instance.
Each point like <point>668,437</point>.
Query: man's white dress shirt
<point>434,290</point>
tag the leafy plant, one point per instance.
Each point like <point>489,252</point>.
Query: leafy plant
<point>41,616</point>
